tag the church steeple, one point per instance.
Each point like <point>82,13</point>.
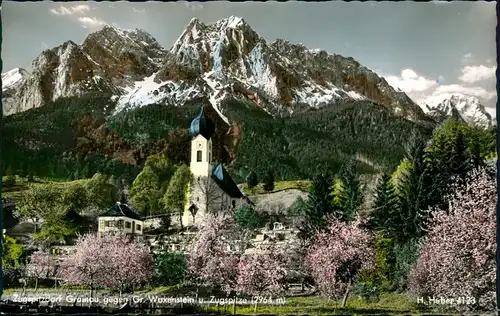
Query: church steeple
<point>201,125</point>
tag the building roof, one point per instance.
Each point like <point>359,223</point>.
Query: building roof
<point>225,182</point>
<point>201,125</point>
<point>120,209</point>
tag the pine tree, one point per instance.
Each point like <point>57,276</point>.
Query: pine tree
<point>385,215</point>
<point>352,190</point>
<point>252,180</point>
<point>268,181</point>
<point>412,195</point>
<point>461,159</point>
<point>319,205</point>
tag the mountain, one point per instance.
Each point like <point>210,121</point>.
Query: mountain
<point>215,61</point>
<point>11,81</point>
<point>106,62</point>
<point>460,106</point>
<point>107,104</point>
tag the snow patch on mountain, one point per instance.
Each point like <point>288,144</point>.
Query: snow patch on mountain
<point>13,78</point>
<point>147,91</point>
<point>261,75</point>
<point>217,94</point>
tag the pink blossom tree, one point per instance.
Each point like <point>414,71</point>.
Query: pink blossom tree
<point>335,257</point>
<point>457,258</point>
<point>40,266</point>
<point>87,266</point>
<point>263,272</point>
<point>128,263</point>
<point>112,261</point>
<point>210,261</point>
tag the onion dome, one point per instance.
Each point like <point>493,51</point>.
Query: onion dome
<point>201,125</point>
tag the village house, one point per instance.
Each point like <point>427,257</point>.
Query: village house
<point>120,218</point>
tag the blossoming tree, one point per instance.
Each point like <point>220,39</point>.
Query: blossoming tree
<point>263,272</point>
<point>211,262</point>
<point>128,262</point>
<point>40,266</point>
<point>112,261</point>
<point>457,259</point>
<point>335,257</point>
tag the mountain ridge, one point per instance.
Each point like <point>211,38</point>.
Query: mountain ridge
<point>207,60</point>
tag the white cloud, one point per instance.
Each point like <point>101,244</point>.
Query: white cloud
<point>471,74</point>
<point>78,13</point>
<point>139,10</point>
<point>467,58</point>
<point>409,81</point>
<point>88,22</point>
<point>65,10</point>
<point>492,111</point>
<point>457,88</point>
<point>193,6</point>
<point>431,91</point>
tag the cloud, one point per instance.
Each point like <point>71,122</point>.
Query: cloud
<point>409,81</point>
<point>139,10</point>
<point>467,58</point>
<point>471,74</point>
<point>78,13</point>
<point>439,2</point>
<point>88,22</point>
<point>65,10</point>
<point>424,90</point>
<point>474,91</point>
<point>193,6</point>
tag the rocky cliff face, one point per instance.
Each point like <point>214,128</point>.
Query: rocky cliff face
<point>465,107</point>
<point>11,82</point>
<point>227,58</point>
<point>106,62</point>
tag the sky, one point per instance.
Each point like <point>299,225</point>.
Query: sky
<point>429,50</point>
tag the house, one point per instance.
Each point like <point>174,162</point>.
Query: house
<point>212,189</point>
<point>120,218</point>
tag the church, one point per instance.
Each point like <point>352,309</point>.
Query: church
<point>212,188</point>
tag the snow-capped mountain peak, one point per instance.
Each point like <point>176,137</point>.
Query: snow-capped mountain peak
<point>213,61</point>
<point>13,77</point>
<point>459,105</point>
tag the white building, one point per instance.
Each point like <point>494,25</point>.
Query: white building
<point>120,218</point>
<point>212,188</point>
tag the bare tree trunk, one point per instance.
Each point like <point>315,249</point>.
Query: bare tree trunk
<point>36,284</point>
<point>346,295</point>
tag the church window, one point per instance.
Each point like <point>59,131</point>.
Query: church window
<point>198,156</point>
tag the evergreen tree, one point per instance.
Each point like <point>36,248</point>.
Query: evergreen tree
<point>268,181</point>
<point>252,180</point>
<point>319,205</point>
<point>461,159</point>
<point>412,195</point>
<point>352,190</point>
<point>385,215</point>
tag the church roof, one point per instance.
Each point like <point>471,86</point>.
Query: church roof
<point>201,125</point>
<point>225,182</point>
<point>120,209</point>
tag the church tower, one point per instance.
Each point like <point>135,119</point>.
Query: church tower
<point>201,164</point>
